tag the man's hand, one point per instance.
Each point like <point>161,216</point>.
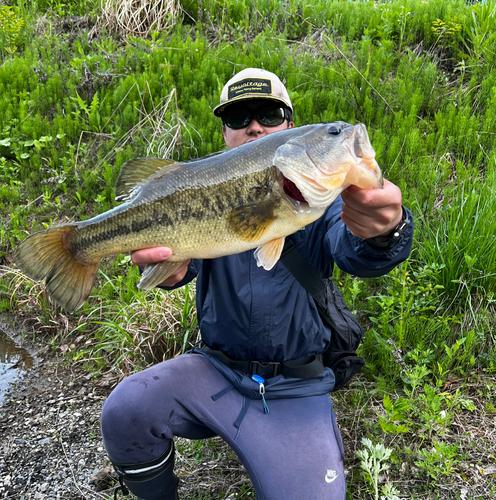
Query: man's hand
<point>158,254</point>
<point>372,213</point>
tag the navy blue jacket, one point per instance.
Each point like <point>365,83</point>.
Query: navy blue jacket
<point>251,313</point>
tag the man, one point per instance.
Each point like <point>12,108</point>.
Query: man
<point>255,322</point>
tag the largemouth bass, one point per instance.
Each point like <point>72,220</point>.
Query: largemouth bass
<point>249,197</point>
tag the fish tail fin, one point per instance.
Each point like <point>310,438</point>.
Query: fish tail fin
<point>48,255</point>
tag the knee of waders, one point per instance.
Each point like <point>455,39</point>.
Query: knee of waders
<point>152,480</point>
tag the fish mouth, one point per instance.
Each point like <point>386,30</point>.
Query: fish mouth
<point>291,190</point>
<point>366,173</point>
<point>317,176</point>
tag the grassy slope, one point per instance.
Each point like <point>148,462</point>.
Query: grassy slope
<point>78,99</point>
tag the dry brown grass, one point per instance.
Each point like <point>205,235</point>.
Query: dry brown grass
<point>156,326</point>
<point>32,304</point>
<point>138,17</point>
<point>161,128</point>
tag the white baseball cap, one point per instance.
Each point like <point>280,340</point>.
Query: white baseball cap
<point>253,83</point>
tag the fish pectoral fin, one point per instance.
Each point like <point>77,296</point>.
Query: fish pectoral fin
<point>155,274</point>
<point>268,254</point>
<point>135,173</point>
<point>252,220</point>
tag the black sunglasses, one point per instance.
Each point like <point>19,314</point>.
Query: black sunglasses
<point>269,117</point>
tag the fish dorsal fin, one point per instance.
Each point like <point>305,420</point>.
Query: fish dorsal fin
<point>136,173</point>
<point>251,220</point>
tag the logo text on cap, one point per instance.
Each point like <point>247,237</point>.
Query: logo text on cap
<point>249,86</point>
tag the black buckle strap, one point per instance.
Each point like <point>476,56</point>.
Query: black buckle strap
<point>308,367</point>
<point>267,370</point>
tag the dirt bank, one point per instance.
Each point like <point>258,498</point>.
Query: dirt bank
<point>51,446</point>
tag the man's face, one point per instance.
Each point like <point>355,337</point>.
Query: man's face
<point>254,130</point>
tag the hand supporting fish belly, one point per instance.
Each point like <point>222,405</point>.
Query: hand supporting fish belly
<point>249,197</point>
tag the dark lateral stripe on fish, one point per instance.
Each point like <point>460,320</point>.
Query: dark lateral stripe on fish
<point>90,240</point>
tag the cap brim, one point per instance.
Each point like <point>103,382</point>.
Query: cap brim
<point>218,110</point>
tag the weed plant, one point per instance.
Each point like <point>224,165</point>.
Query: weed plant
<point>374,460</point>
<point>79,96</point>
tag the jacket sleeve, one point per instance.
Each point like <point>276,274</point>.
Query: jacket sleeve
<point>354,255</point>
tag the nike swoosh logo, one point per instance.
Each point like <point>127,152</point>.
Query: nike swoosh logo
<point>330,478</point>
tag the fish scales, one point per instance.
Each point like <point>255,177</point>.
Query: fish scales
<point>184,216</point>
<point>203,200</point>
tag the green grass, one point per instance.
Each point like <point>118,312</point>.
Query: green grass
<point>78,98</point>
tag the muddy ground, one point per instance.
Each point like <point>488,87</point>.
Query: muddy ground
<point>50,442</point>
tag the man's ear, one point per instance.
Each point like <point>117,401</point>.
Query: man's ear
<point>224,133</point>
<point>290,124</point>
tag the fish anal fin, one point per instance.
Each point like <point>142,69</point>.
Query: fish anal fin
<point>135,173</point>
<point>154,274</point>
<point>252,220</point>
<point>268,254</point>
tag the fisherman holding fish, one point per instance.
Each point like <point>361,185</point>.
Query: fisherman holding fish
<point>258,381</point>
<point>295,450</point>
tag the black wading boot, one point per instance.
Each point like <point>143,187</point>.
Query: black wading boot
<point>150,480</point>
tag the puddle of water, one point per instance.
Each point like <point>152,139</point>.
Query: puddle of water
<point>15,361</point>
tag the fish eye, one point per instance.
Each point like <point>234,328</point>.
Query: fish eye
<point>333,130</point>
